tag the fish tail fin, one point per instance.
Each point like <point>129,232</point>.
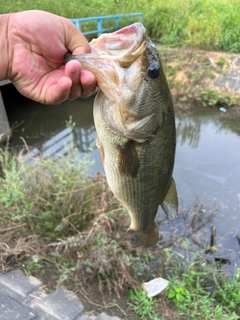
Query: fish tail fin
<point>146,239</point>
<point>170,202</point>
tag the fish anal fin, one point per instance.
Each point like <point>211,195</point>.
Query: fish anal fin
<point>128,162</point>
<point>170,202</point>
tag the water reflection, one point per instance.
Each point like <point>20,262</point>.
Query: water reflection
<point>189,124</point>
<point>47,128</point>
<point>188,131</point>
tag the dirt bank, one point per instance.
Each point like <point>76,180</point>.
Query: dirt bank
<point>202,78</point>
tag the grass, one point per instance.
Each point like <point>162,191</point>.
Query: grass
<point>64,227</point>
<point>143,306</point>
<point>196,289</point>
<point>192,293</point>
<point>203,24</point>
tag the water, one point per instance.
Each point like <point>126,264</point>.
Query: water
<point>208,162</point>
<point>207,165</point>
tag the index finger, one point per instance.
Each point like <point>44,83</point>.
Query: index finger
<point>74,39</point>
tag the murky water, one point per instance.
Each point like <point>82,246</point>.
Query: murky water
<point>207,163</point>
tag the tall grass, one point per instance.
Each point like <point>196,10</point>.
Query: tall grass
<point>204,24</point>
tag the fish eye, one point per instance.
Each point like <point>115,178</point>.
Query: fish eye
<point>154,70</point>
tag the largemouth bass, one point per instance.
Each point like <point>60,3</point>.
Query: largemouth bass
<point>135,124</point>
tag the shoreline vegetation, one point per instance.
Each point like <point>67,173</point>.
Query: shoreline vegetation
<point>65,228</point>
<point>202,79</point>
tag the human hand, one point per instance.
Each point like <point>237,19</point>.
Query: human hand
<point>38,41</point>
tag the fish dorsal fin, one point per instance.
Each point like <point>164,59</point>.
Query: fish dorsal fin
<point>170,202</point>
<point>128,162</point>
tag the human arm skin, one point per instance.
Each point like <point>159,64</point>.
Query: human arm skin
<point>33,44</point>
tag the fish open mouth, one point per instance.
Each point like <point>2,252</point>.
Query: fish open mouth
<point>124,45</point>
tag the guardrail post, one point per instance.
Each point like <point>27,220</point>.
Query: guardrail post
<point>78,24</point>
<point>99,27</point>
<point>4,125</point>
<point>117,22</point>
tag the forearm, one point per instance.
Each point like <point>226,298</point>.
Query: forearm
<point>4,46</point>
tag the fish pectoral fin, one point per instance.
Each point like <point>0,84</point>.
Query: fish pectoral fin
<point>142,130</point>
<point>170,202</point>
<point>128,162</point>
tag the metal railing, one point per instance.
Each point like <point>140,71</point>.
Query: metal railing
<point>100,29</point>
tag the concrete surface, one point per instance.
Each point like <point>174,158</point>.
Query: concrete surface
<point>23,298</point>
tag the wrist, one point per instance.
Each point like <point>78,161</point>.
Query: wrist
<point>4,46</point>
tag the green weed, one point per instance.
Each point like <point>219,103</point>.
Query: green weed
<point>221,62</point>
<point>33,266</point>
<point>205,97</point>
<point>228,293</point>
<point>190,289</point>
<point>44,193</point>
<point>212,97</point>
<point>143,306</point>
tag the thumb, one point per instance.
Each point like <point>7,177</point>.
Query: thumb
<point>74,39</point>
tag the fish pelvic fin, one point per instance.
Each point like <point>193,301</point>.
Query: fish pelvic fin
<point>170,202</point>
<point>102,153</point>
<point>128,162</point>
<point>146,239</point>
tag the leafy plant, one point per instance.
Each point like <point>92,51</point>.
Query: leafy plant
<point>143,306</point>
<point>228,293</point>
<point>188,292</point>
<point>33,266</point>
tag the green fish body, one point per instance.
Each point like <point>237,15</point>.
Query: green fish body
<point>135,124</point>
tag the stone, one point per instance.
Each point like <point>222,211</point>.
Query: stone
<point>86,317</point>
<point>18,285</point>
<point>58,305</point>
<point>104,316</point>
<point>12,310</point>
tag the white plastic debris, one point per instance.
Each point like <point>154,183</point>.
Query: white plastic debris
<point>223,109</point>
<point>155,286</point>
<point>211,60</point>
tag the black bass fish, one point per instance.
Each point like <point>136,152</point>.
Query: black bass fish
<point>135,124</point>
